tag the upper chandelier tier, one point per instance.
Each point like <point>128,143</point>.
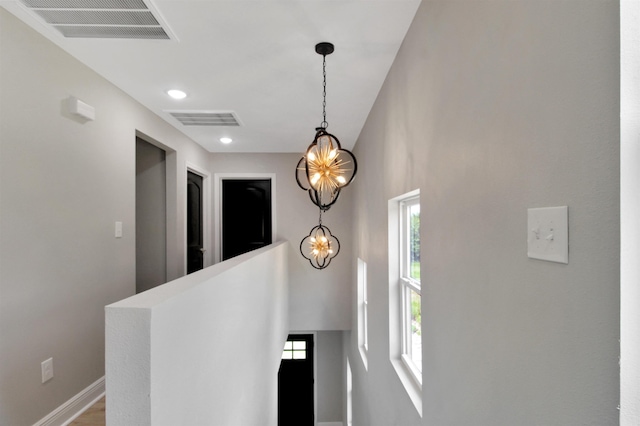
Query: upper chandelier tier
<point>326,167</point>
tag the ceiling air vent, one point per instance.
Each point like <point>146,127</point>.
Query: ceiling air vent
<point>100,18</point>
<point>205,118</point>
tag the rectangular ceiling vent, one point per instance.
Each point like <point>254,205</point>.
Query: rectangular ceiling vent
<point>130,19</point>
<point>206,118</point>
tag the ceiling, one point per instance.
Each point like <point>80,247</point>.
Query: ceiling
<point>255,59</point>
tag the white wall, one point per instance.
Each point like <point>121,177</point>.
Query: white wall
<point>490,108</point>
<point>63,185</point>
<point>319,300</point>
<point>201,350</point>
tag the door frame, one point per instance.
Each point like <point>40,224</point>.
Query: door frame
<point>217,206</point>
<point>207,259</point>
<point>171,220</point>
<point>315,370</point>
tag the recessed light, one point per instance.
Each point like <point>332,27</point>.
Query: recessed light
<point>226,140</point>
<point>176,94</point>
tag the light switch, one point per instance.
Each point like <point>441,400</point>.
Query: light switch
<point>46,368</point>
<point>118,229</point>
<point>548,234</point>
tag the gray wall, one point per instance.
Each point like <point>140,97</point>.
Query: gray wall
<point>490,108</point>
<point>329,376</point>
<point>63,185</point>
<point>318,300</point>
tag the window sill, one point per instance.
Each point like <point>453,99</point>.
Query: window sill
<point>363,355</point>
<point>409,382</point>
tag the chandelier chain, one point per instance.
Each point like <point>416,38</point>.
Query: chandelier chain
<point>324,124</point>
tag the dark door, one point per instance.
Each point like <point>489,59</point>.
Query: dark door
<point>195,250</point>
<point>246,215</point>
<point>295,382</point>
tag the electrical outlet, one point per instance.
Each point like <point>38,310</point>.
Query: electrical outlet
<point>47,370</point>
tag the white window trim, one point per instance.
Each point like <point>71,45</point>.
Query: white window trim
<point>363,307</point>
<point>409,375</point>
<point>407,283</point>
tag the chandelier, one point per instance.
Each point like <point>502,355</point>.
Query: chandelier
<point>326,167</point>
<point>323,171</point>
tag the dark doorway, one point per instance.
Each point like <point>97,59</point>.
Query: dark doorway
<point>195,249</point>
<point>246,215</point>
<point>151,216</point>
<point>295,382</point>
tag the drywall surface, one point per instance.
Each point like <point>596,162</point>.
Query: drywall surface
<point>491,108</point>
<point>319,300</point>
<point>329,376</point>
<point>204,349</point>
<point>64,182</point>
<point>630,211</point>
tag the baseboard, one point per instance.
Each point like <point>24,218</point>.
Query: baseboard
<point>329,423</point>
<point>70,410</point>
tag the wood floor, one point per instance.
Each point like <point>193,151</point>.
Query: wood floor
<point>94,416</point>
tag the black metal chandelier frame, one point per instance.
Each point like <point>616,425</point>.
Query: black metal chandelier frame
<point>323,171</point>
<point>326,167</point>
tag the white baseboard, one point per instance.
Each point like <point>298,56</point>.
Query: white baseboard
<point>70,410</point>
<point>329,423</point>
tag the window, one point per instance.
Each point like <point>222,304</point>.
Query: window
<point>294,350</point>
<point>405,293</point>
<point>363,305</point>
<point>410,285</point>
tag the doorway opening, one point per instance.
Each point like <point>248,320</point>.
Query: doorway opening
<point>151,216</point>
<point>245,213</point>
<point>296,400</point>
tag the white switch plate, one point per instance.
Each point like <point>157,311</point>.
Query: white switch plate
<point>118,229</point>
<point>548,234</point>
<point>46,367</point>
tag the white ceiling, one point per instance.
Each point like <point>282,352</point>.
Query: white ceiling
<point>257,59</point>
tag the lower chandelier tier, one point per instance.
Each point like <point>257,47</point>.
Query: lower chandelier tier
<point>319,247</point>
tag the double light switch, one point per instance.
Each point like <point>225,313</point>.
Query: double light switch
<point>548,234</point>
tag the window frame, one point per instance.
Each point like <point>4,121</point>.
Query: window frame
<point>408,373</point>
<point>363,311</point>
<point>407,285</point>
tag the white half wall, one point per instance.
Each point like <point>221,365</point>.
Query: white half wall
<point>204,349</point>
